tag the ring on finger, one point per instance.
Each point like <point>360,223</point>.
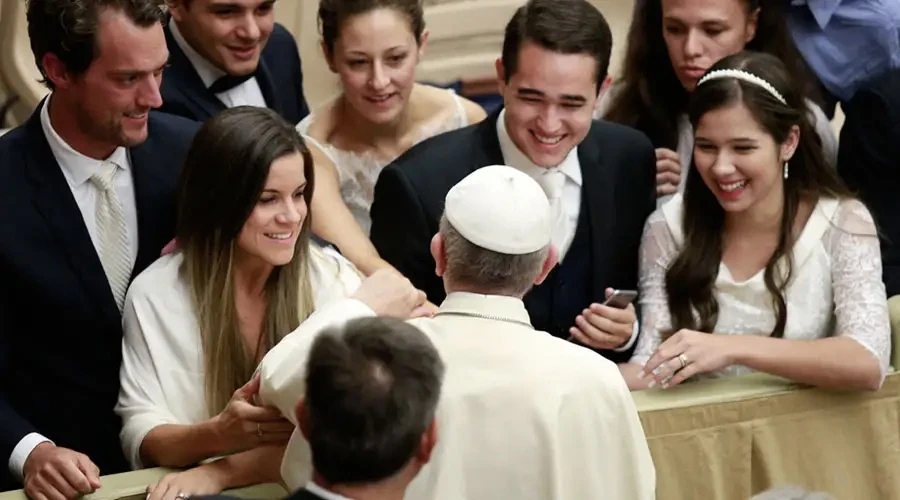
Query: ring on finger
<point>258,430</point>
<point>683,360</point>
<point>182,496</point>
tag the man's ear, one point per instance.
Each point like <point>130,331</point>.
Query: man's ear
<point>549,263</point>
<point>428,442</point>
<point>438,252</point>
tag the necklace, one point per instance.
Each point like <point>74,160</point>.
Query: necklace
<point>483,316</point>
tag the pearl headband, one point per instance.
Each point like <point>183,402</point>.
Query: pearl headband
<point>745,76</point>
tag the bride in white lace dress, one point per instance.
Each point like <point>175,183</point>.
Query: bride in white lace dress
<point>766,263</point>
<point>374,47</point>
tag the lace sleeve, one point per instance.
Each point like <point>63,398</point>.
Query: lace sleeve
<point>860,303</point>
<point>657,251</point>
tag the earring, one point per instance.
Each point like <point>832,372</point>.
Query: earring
<point>786,168</point>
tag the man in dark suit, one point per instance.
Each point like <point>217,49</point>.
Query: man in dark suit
<point>598,176</point>
<point>869,163</point>
<point>87,203</point>
<point>226,54</point>
<point>372,389</point>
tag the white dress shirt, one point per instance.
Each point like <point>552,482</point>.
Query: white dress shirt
<point>245,94</point>
<point>522,414</point>
<point>78,169</point>
<point>162,374</point>
<point>570,196</point>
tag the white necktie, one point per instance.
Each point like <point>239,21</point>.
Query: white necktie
<point>112,234</point>
<point>552,181</point>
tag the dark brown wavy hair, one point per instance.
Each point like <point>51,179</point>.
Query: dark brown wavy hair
<point>690,279</point>
<point>650,98</point>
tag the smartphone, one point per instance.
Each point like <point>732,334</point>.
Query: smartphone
<point>621,298</point>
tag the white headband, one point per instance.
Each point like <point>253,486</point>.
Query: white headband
<point>745,76</point>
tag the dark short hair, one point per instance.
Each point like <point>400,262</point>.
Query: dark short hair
<point>68,28</point>
<point>333,14</point>
<point>372,388</point>
<point>564,26</point>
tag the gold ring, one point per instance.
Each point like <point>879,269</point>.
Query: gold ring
<point>258,430</point>
<point>683,359</point>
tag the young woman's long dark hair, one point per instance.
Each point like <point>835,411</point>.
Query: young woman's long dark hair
<point>649,96</point>
<point>691,278</point>
<point>224,174</point>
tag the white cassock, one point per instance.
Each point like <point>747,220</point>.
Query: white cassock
<point>522,415</point>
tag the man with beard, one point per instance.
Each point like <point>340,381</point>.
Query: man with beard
<point>87,202</point>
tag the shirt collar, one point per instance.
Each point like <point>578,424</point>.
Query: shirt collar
<point>322,492</point>
<point>208,72</point>
<point>77,167</point>
<point>822,10</point>
<point>514,157</point>
<point>501,307</point>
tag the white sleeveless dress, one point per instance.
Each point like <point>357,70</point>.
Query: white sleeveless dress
<point>358,172</point>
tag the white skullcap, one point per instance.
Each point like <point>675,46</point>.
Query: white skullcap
<point>501,209</point>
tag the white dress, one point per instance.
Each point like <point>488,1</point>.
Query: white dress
<point>358,172</point>
<point>162,372</point>
<point>685,147</point>
<point>836,288</point>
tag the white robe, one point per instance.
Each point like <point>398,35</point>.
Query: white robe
<point>522,414</point>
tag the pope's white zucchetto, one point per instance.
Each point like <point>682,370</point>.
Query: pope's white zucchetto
<point>500,209</point>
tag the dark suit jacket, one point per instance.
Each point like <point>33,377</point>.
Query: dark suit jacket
<point>869,163</point>
<point>60,329</point>
<point>618,168</point>
<point>280,78</point>
<point>301,494</point>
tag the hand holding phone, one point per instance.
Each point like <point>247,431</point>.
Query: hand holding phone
<point>621,298</point>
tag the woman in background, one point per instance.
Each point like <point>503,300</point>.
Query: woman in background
<point>766,263</point>
<point>671,44</point>
<point>374,46</point>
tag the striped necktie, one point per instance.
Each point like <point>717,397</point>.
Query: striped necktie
<point>112,234</point>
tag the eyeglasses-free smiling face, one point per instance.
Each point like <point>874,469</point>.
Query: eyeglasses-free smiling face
<point>270,233</point>
<point>549,102</point>
<point>738,160</point>
<point>375,56</point>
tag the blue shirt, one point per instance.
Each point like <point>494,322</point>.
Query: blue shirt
<point>846,42</point>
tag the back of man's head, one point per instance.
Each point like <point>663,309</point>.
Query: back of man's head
<point>68,28</point>
<point>372,388</point>
<point>495,233</point>
<point>563,26</point>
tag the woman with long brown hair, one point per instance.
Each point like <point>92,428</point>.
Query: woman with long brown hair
<point>671,44</point>
<point>766,263</point>
<point>198,321</point>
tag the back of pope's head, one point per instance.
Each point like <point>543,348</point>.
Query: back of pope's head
<point>495,233</point>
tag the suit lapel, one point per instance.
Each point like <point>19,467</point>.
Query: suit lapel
<point>54,200</point>
<point>264,79</point>
<point>188,81</point>
<point>489,153</point>
<point>600,203</point>
<point>149,195</point>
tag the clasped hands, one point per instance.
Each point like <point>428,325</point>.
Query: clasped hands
<point>684,355</point>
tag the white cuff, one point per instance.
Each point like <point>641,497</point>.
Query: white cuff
<point>22,451</point>
<point>634,335</point>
